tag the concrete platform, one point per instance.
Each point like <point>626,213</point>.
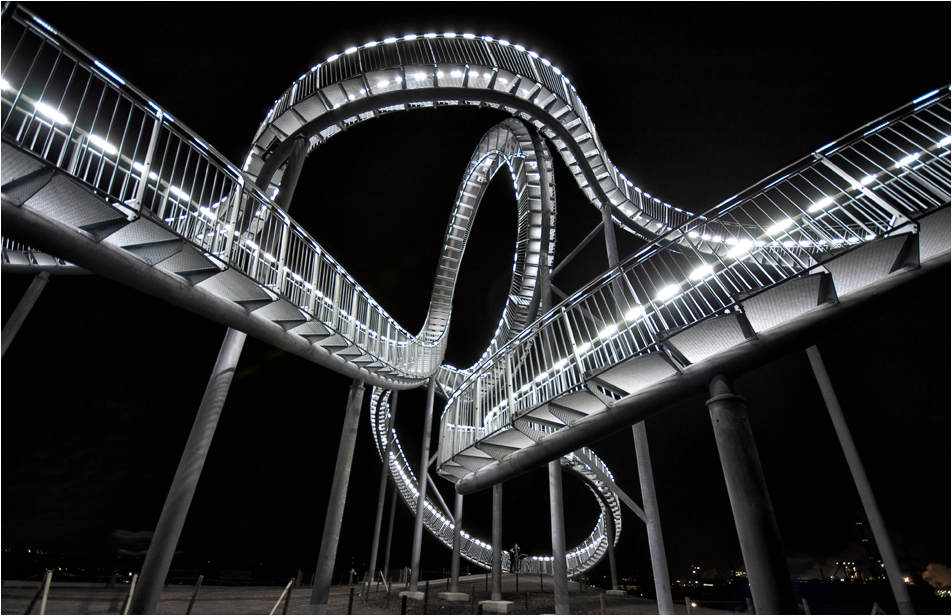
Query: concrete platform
<point>453,597</point>
<point>616,593</point>
<point>496,607</point>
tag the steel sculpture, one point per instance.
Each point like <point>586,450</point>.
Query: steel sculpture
<point>97,173</point>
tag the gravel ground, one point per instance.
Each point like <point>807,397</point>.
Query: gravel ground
<point>261,600</point>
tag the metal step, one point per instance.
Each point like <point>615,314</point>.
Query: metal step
<point>64,200</point>
<point>575,406</point>
<point>503,442</point>
<point>934,234</point>
<point>710,336</point>
<point>235,286</point>
<point>870,262</point>
<point>281,312</point>
<point>312,331</point>
<point>788,300</point>
<point>636,373</point>
<point>473,459</point>
<point>190,264</point>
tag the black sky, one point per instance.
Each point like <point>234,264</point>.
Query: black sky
<point>693,103</point>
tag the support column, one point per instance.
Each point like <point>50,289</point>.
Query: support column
<point>560,579</point>
<point>382,492</point>
<point>659,562</point>
<point>292,172</point>
<point>454,564</point>
<point>167,531</point>
<point>327,557</point>
<point>394,495</point>
<point>20,313</point>
<point>421,479</point>
<point>610,535</point>
<point>880,535</point>
<point>496,591</point>
<point>754,518</point>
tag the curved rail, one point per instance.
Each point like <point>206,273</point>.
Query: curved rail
<point>439,523</point>
<point>808,222</point>
<point>432,70</point>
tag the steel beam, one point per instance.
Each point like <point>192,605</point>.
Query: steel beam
<point>876,523</point>
<point>754,517</point>
<point>167,531</point>
<point>335,506</point>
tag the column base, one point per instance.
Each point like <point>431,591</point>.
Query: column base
<point>496,607</point>
<point>412,595</point>
<point>453,596</point>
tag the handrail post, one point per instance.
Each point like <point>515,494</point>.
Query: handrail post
<point>147,165</point>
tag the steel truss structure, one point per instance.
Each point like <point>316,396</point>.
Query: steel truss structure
<point>97,173</point>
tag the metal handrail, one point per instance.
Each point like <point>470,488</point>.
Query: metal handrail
<point>870,184</point>
<point>72,111</point>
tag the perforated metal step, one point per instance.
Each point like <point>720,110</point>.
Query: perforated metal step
<point>870,262</point>
<point>709,337</point>
<point>934,234</point>
<point>788,300</point>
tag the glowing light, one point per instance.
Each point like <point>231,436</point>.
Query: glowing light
<point>907,160</point>
<point>819,205</point>
<point>635,313</point>
<point>350,50</point>
<point>140,168</point>
<point>945,141</point>
<point>410,37</point>
<point>102,144</point>
<point>108,72</point>
<point>332,58</point>
<point>178,192</point>
<point>390,39</point>
<point>742,248</point>
<point>51,113</point>
<point>469,36</point>
<point>667,292</point>
<point>702,272</point>
<point>779,227</point>
<point>607,333</point>
<point>449,34</point>
<point>383,83</point>
<point>419,76</point>
<point>456,73</point>
<point>4,84</point>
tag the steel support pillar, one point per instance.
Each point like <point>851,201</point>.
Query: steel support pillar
<point>338,498</point>
<point>421,478</point>
<point>454,563</point>
<point>560,576</point>
<point>292,172</point>
<point>167,531</point>
<point>394,495</point>
<point>659,562</point>
<point>880,535</point>
<point>20,313</point>
<point>382,492</point>
<point>610,535</point>
<point>496,590</point>
<point>754,518</point>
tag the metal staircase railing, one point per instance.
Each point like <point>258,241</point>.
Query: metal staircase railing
<point>864,189</point>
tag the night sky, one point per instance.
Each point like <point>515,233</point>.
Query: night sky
<point>693,104</point>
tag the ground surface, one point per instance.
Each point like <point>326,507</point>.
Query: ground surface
<point>261,600</point>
